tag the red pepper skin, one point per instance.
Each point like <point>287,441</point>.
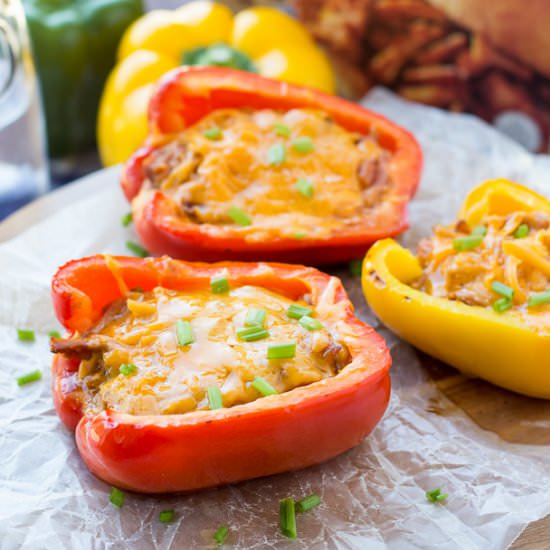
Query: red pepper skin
<point>168,453</point>
<point>185,95</point>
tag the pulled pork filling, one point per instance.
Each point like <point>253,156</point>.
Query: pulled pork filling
<point>503,263</point>
<point>160,351</point>
<point>288,172</point>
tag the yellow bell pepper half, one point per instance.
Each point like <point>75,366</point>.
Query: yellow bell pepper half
<point>506,349</point>
<point>262,39</point>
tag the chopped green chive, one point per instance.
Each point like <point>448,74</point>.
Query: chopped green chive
<point>276,154</point>
<point>29,377</point>
<point>281,351</point>
<point>355,267</point>
<point>304,187</point>
<point>479,231</point>
<point>255,317</point>
<point>467,243</point>
<point>502,305</point>
<point>303,145</point>
<point>308,503</point>
<point>25,335</point>
<point>136,249</point>
<point>127,369</point>
<point>251,334</point>
<point>221,534</point>
<point>126,220</point>
<point>297,312</point>
<point>166,516</point>
<point>309,323</point>
<point>213,133</point>
<point>539,298</point>
<point>184,332</point>
<point>263,386</point>
<point>54,334</point>
<point>282,130</point>
<point>299,235</point>
<point>435,495</point>
<point>215,400</point>
<point>117,497</point>
<point>287,518</point>
<point>502,289</point>
<point>522,231</point>
<point>137,289</point>
<point>219,284</point>
<point>240,217</point>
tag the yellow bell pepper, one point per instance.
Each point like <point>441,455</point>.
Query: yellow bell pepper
<point>206,33</point>
<point>508,349</point>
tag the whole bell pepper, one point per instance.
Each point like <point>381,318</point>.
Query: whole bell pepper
<point>261,39</point>
<point>182,452</point>
<point>74,45</point>
<point>508,349</point>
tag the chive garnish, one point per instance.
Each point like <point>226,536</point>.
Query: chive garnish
<point>221,534</point>
<point>240,217</point>
<point>282,130</point>
<point>255,317</point>
<point>127,369</point>
<point>219,284</point>
<point>435,495</point>
<point>308,503</point>
<point>263,386</point>
<point>310,324</point>
<point>215,399</point>
<point>117,497</point>
<point>502,305</point>
<point>251,334</point>
<point>355,267</point>
<point>522,231</point>
<point>25,335</point>
<point>281,351</point>
<point>297,312</point>
<point>276,154</point>
<point>304,187</point>
<point>32,376</point>
<point>287,518</point>
<point>184,332</point>
<point>213,133</point>
<point>479,231</point>
<point>54,334</point>
<point>303,145</point>
<point>502,289</point>
<point>467,243</point>
<point>538,298</point>
<point>136,249</point>
<point>299,235</point>
<point>126,220</point>
<point>166,516</point>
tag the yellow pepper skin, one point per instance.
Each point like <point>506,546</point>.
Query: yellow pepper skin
<point>277,45</point>
<point>509,350</point>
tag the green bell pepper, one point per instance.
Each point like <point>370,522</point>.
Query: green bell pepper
<point>74,45</point>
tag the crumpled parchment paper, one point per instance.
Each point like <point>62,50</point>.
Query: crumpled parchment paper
<point>372,496</point>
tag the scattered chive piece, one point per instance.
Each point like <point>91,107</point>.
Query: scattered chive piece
<point>479,231</point>
<point>300,235</point>
<point>502,289</point>
<point>502,305</point>
<point>263,386</point>
<point>297,312</point>
<point>166,516</point>
<point>304,187</point>
<point>467,243</point>
<point>309,323</point>
<point>276,154</point>
<point>137,289</point>
<point>126,220</point>
<point>287,518</point>
<point>54,334</point>
<point>127,369</point>
<point>522,231</point>
<point>240,217</point>
<point>184,332</point>
<point>435,495</point>
<point>539,298</point>
<point>355,267</point>
<point>303,145</point>
<point>282,130</point>
<point>251,334</point>
<point>32,376</point>
<point>215,400</point>
<point>213,133</point>
<point>255,317</point>
<point>136,249</point>
<point>117,497</point>
<point>281,351</point>
<point>25,335</point>
<point>221,534</point>
<point>219,284</point>
<point>308,503</point>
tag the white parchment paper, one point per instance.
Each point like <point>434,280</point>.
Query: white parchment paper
<point>372,497</point>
